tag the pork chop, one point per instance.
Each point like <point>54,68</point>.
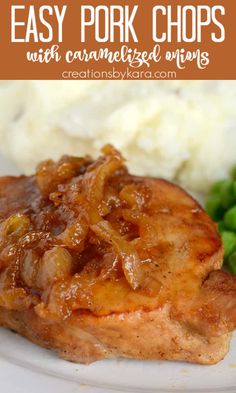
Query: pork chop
<point>96,263</point>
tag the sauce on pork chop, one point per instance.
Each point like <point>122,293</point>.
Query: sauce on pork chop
<point>84,237</point>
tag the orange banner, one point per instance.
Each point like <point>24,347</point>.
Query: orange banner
<point>99,39</point>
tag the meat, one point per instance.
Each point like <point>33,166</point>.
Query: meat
<point>96,263</point>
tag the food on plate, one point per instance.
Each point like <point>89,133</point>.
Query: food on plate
<point>221,206</point>
<point>97,263</point>
<point>179,130</point>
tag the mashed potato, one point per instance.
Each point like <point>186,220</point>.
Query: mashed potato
<point>181,130</point>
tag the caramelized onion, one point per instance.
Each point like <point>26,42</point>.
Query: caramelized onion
<point>88,241</point>
<point>51,174</point>
<point>55,265</point>
<point>16,299</point>
<point>125,250</point>
<point>14,227</point>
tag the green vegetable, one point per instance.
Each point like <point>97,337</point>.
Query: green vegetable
<point>229,240</point>
<point>214,208</point>
<point>217,187</point>
<point>221,207</point>
<point>221,226</point>
<point>234,173</point>
<point>232,262</point>
<point>230,219</point>
<point>227,195</point>
<point>235,188</point>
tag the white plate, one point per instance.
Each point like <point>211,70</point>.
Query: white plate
<point>25,367</point>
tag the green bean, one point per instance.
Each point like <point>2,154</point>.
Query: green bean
<point>229,240</point>
<point>230,219</point>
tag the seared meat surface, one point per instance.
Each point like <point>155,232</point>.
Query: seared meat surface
<point>96,263</point>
